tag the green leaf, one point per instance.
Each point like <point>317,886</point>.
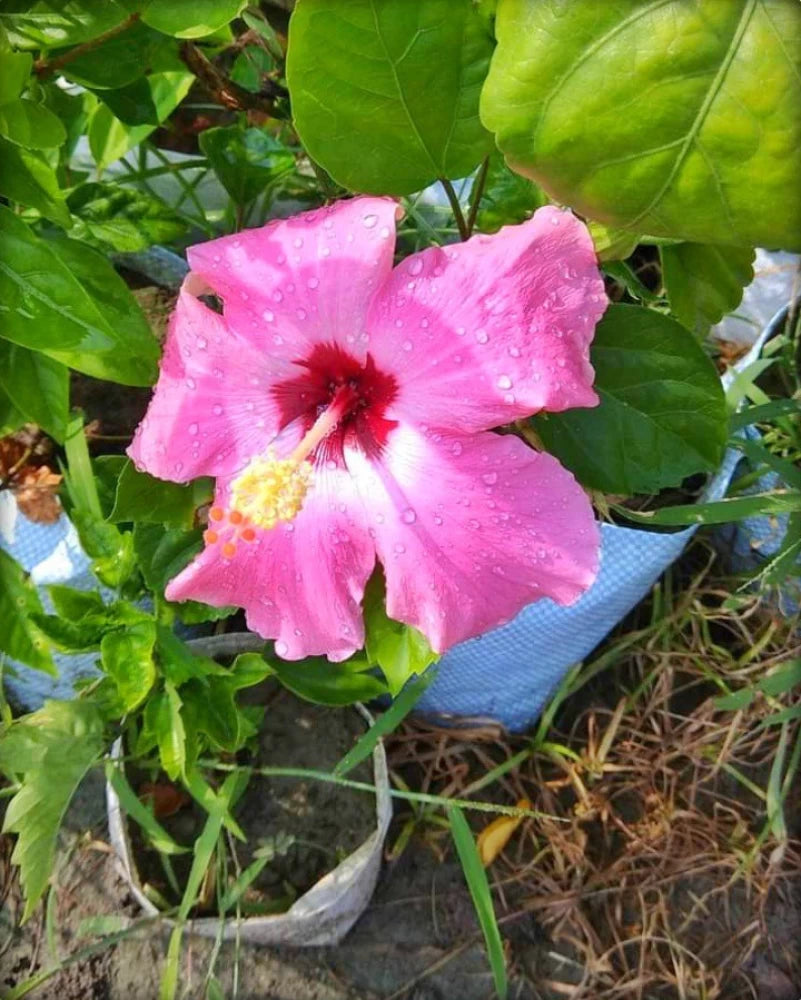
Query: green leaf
<point>317,680</point>
<point>718,511</point>
<point>118,61</point>
<point>179,664</point>
<point>125,219</point>
<point>64,299</point>
<point>75,604</point>
<point>134,352</point>
<point>28,179</point>
<point>245,160</point>
<point>38,387</point>
<point>141,497</point>
<point>250,66</point>
<point>665,117</point>
<point>662,415</point>
<point>15,68</point>
<point>247,670</point>
<point>214,712</point>
<point>781,680</point>
<point>703,283</point>
<point>29,124</point>
<point>385,92</point>
<point>400,650</point>
<point>508,198</point>
<point>52,750</point>
<point>19,637</point>
<point>109,138</point>
<point>50,24</point>
<point>127,657</point>
<point>163,717</point>
<point>610,243</point>
<point>138,811</point>
<point>477,883</point>
<point>132,104</point>
<point>191,18</point>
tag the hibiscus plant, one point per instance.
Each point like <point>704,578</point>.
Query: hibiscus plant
<point>446,309</point>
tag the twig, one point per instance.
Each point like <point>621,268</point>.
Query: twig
<point>225,91</point>
<point>46,67</point>
<point>476,194</point>
<point>458,215</point>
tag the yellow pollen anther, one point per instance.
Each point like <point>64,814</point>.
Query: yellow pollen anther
<point>270,490</point>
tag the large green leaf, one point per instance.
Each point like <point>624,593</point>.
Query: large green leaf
<point>667,117</point>
<point>38,387</point>
<point>246,160</point>
<point>119,60</point>
<point>124,219</point>
<point>19,637</point>
<point>704,283</point>
<point>28,179</point>
<point>662,414</point>
<point>317,680</point>
<point>163,719</point>
<point>385,92</point>
<point>64,299</point>
<point>15,67</point>
<point>30,124</point>
<point>401,651</point>
<point>51,750</point>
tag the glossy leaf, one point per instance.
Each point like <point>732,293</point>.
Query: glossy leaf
<point>28,179</point>
<point>19,637</point>
<point>317,680</point>
<point>662,415</point>
<point>401,651</point>
<point>51,750</point>
<point>190,18</point>
<point>703,283</point>
<point>32,125</point>
<point>665,117</point>
<point>109,138</point>
<point>719,511</point>
<point>122,218</point>
<point>38,387</point>
<point>215,713</point>
<point>15,68</point>
<point>64,299</point>
<point>385,94</point>
<point>141,497</point>
<point>118,61</point>
<point>51,24</point>
<point>127,657</point>
<point>246,160</point>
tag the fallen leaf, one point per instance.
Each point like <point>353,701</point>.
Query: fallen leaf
<point>496,835</point>
<point>166,799</point>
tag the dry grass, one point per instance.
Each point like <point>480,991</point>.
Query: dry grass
<point>668,868</point>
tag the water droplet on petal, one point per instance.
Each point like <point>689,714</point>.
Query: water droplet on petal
<point>407,345</point>
<point>504,382</point>
<point>482,336</point>
<point>490,478</point>
<point>457,448</point>
<point>301,314</point>
<point>415,265</point>
<point>384,233</point>
<point>399,547</point>
<point>312,283</point>
<point>474,524</point>
<point>514,352</point>
<point>217,410</point>
<point>409,516</point>
<point>269,315</point>
<point>370,221</point>
<point>190,383</point>
<point>278,296</point>
<point>297,242</point>
<point>281,648</point>
<point>437,519</point>
<point>193,429</point>
<point>202,343</point>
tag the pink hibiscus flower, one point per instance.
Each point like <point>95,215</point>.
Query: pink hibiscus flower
<point>346,410</point>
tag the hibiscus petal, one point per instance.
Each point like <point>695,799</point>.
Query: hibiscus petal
<point>300,583</point>
<point>471,529</point>
<point>483,332</point>
<point>308,280</point>
<point>211,411</point>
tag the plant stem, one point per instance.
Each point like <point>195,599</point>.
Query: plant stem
<point>221,89</point>
<point>476,193</point>
<point>44,67</point>
<point>455,207</point>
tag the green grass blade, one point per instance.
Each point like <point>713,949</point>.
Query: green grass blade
<point>386,723</point>
<point>135,808</point>
<point>477,883</point>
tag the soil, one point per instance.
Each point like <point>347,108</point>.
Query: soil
<point>311,825</point>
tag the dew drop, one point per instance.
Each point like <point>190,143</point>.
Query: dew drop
<point>278,295</point>
<point>384,232</point>
<point>297,242</point>
<point>301,313</point>
<point>407,345</point>
<point>178,466</point>
<point>202,343</point>
<point>370,221</point>
<point>312,283</point>
<point>482,336</point>
<point>490,478</point>
<point>474,524</point>
<point>456,448</point>
<point>193,429</point>
<point>415,265</point>
<point>217,410</point>
<point>437,519</point>
<point>409,516</point>
<point>281,648</point>
<point>514,352</point>
<point>460,331</point>
<point>504,382</point>
<point>190,383</point>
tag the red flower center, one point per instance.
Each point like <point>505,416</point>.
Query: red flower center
<point>364,393</point>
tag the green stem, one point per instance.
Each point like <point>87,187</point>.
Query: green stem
<point>455,207</point>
